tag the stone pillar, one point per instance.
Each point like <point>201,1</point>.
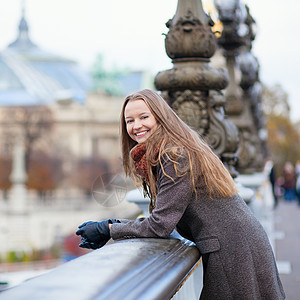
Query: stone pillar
<point>18,192</point>
<point>192,87</point>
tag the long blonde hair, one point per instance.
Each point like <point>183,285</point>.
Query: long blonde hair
<point>173,135</point>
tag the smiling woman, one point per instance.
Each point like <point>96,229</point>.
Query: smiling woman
<point>190,191</point>
<point>140,122</point>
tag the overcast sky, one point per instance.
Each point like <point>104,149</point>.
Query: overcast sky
<point>129,34</point>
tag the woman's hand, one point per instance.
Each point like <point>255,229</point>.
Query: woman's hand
<point>95,234</point>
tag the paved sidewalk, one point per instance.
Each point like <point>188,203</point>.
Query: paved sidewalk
<point>287,245</point>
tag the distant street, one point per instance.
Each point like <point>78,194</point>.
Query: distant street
<point>287,227</point>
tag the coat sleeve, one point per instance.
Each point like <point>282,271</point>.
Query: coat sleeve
<point>174,195</point>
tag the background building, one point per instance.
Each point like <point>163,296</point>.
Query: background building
<point>67,118</point>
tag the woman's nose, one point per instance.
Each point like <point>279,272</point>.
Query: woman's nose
<point>137,125</point>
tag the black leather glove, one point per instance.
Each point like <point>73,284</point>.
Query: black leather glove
<point>95,234</point>
<point>91,245</point>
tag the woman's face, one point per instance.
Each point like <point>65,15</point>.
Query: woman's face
<point>140,122</point>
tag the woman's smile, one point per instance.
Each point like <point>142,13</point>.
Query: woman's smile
<point>141,133</point>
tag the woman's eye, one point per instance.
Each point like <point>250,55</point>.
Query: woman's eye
<point>145,117</point>
<point>128,121</point>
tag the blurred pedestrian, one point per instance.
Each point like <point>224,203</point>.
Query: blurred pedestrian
<point>270,171</point>
<point>297,171</point>
<point>289,183</point>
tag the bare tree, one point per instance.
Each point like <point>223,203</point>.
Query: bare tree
<point>44,173</point>
<point>30,123</point>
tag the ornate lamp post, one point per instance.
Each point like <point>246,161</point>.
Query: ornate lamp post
<point>235,41</point>
<point>192,87</point>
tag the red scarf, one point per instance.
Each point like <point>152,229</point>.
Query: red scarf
<point>138,154</point>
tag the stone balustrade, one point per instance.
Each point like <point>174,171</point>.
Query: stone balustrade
<point>126,269</point>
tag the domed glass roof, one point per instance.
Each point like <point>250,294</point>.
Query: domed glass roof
<point>32,76</point>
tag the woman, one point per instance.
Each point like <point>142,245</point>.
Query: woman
<point>190,190</point>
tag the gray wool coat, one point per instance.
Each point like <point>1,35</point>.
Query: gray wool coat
<point>237,257</point>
